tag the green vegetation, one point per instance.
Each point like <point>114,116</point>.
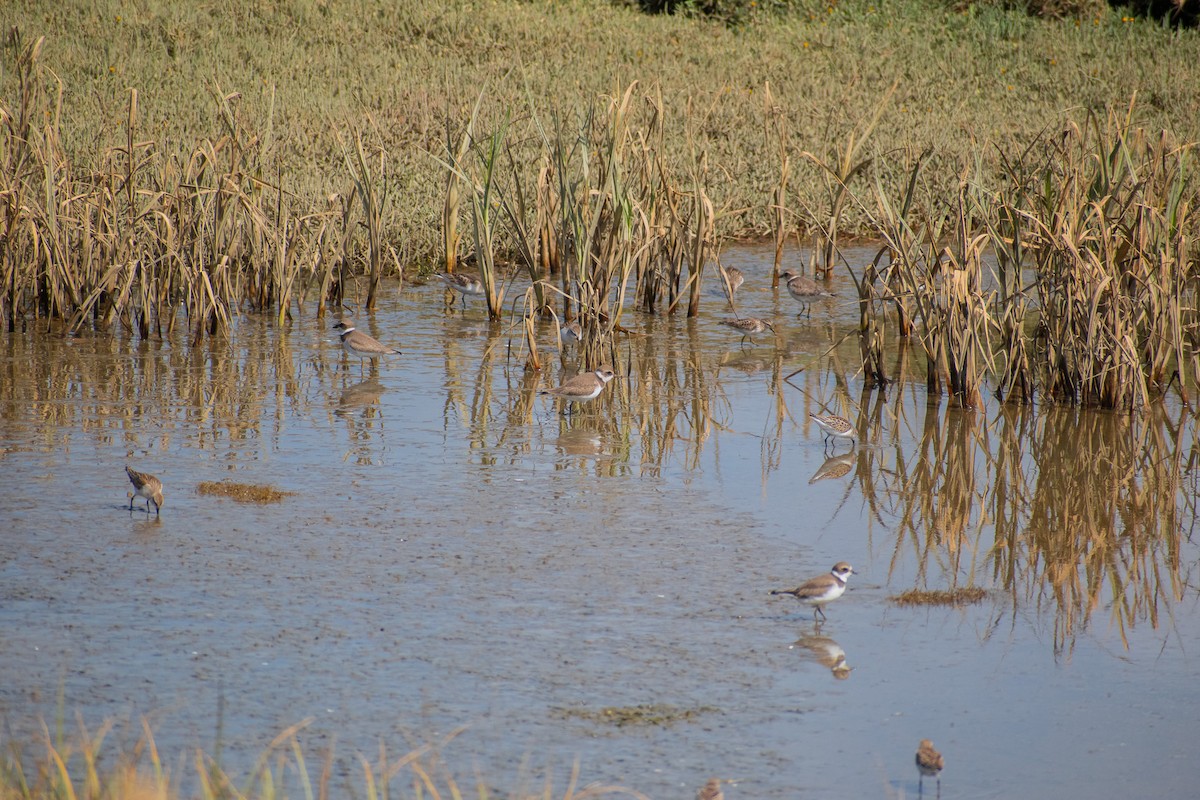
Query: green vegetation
<point>298,74</point>
<point>158,157</point>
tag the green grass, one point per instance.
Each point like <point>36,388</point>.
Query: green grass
<point>967,83</point>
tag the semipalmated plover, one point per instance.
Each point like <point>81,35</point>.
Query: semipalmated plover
<point>359,344</point>
<point>147,486</point>
<point>835,427</point>
<point>584,386</point>
<point>929,764</point>
<point>804,291</point>
<point>822,589</point>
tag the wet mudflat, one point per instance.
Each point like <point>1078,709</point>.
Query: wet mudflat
<point>459,554</point>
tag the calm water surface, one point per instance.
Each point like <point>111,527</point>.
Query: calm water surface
<point>458,554</point>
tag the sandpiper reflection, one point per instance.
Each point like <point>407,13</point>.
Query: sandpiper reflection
<point>834,467</point>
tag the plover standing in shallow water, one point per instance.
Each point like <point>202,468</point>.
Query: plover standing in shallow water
<point>463,284</point>
<point>835,427</point>
<point>147,486</point>
<point>804,291</point>
<point>822,589</point>
<point>583,387</point>
<point>360,345</point>
<point>929,764</point>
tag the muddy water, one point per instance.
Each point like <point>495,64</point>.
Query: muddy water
<point>458,553</point>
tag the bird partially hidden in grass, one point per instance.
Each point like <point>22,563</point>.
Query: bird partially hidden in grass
<point>463,284</point>
<point>711,791</point>
<point>731,278</point>
<point>929,764</point>
<point>571,331</point>
<point>147,486</point>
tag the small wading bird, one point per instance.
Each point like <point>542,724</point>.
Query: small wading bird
<point>748,326</point>
<point>929,764</point>
<point>804,291</point>
<point>463,284</point>
<point>147,486</point>
<point>711,791</point>
<point>571,331</point>
<point>835,427</point>
<point>734,278</point>
<point>822,589</point>
<point>360,345</point>
<point>583,387</point>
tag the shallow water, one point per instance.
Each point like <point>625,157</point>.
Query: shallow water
<point>458,553</point>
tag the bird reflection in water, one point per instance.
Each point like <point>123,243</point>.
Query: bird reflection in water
<point>360,395</point>
<point>826,652</point>
<point>835,467</point>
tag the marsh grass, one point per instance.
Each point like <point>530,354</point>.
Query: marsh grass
<point>80,765</point>
<point>1075,274</point>
<point>649,715</point>
<point>243,492</point>
<point>960,596</point>
<point>623,187</point>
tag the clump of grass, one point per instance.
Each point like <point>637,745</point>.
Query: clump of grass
<point>243,492</point>
<point>959,596</point>
<point>646,714</point>
<point>71,766</point>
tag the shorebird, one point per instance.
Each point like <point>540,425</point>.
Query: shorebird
<point>360,345</point>
<point>748,326</point>
<point>147,486</point>
<point>571,331</point>
<point>734,278</point>
<point>583,387</point>
<point>929,764</point>
<point>822,589</point>
<point>835,427</point>
<point>711,791</point>
<point>463,284</point>
<point>804,291</point>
